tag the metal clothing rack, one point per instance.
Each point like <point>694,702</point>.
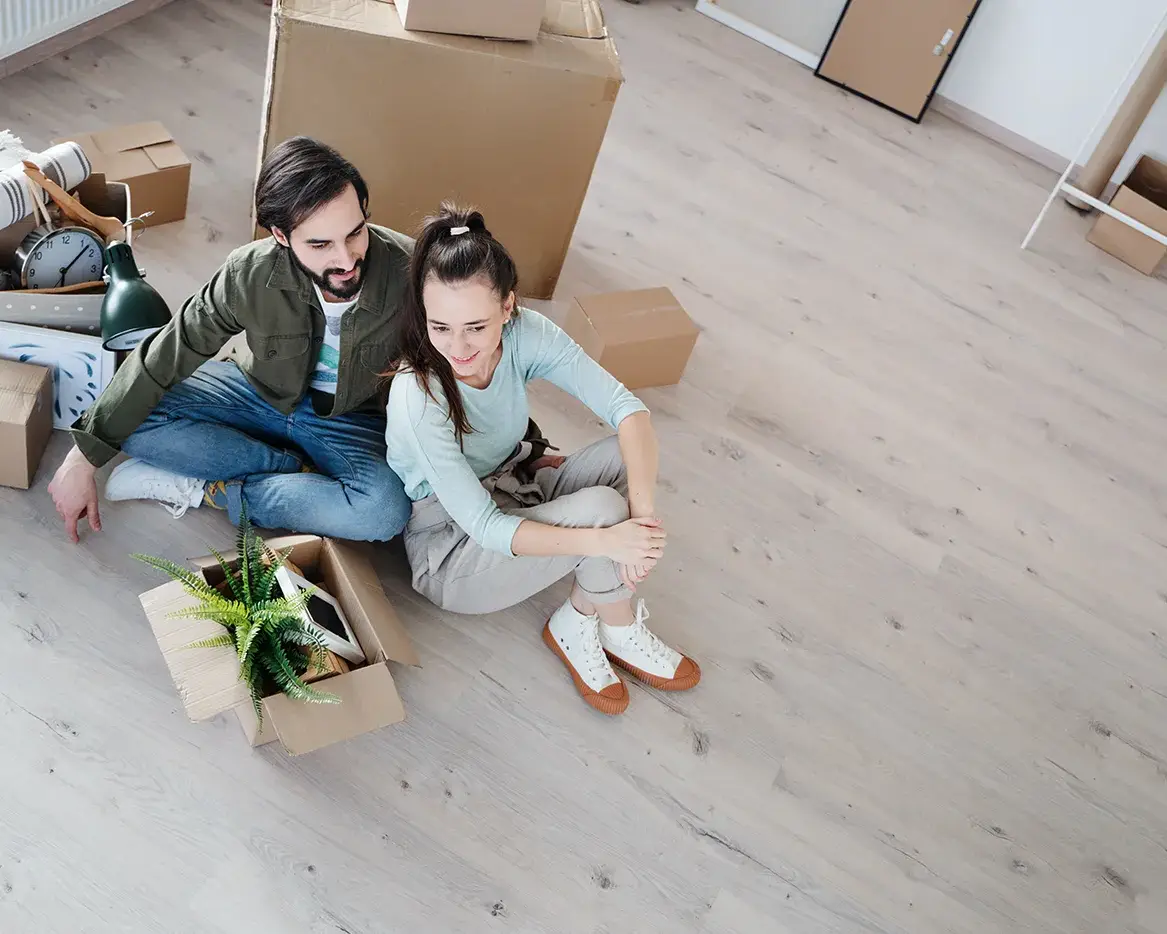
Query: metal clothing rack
<point>1064,187</point>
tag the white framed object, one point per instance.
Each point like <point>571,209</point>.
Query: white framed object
<point>81,367</point>
<point>332,625</point>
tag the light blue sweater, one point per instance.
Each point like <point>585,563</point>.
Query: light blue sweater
<point>424,453</point>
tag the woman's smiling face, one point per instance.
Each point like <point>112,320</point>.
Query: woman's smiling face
<point>464,322</point>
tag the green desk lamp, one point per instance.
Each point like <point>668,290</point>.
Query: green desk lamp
<point>132,308</point>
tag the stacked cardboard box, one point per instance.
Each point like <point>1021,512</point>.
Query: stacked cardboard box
<point>511,127</point>
<point>492,19</point>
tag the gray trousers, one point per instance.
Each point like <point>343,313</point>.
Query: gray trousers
<point>590,490</point>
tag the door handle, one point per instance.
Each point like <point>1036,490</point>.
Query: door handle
<point>943,43</point>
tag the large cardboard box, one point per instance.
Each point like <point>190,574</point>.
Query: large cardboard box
<point>511,127</point>
<point>208,679</point>
<point>145,157</point>
<point>497,19</point>
<point>26,420</point>
<point>643,337</point>
<point>1143,196</point>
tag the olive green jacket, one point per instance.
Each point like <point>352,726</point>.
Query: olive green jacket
<point>260,292</point>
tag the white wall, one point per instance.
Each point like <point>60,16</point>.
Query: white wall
<point>807,24</point>
<point>1043,69</point>
<point>1046,68</point>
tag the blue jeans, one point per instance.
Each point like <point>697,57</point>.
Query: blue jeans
<point>214,426</point>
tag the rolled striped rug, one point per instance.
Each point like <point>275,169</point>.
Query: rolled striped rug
<point>66,164</point>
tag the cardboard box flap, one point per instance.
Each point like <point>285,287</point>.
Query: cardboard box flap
<point>1148,179</point>
<point>166,155</point>
<point>371,615</point>
<point>207,679</point>
<point>135,136</point>
<point>20,387</point>
<point>300,544</point>
<point>578,19</point>
<point>125,165</point>
<point>368,701</point>
<point>621,317</point>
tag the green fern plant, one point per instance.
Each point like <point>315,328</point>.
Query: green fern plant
<point>272,643</point>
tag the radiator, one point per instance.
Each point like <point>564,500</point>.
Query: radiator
<point>24,23</point>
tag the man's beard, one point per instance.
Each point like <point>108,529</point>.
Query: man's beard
<point>342,290</point>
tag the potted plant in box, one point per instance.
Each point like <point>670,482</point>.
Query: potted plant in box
<point>274,647</point>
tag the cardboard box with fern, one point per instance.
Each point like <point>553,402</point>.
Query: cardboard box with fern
<point>241,646</point>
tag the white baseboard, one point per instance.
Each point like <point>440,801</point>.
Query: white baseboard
<point>940,104</point>
<point>999,134</point>
<point>746,28</point>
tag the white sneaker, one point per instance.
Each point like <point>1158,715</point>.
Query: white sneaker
<point>638,651</point>
<point>135,479</point>
<point>575,639</point>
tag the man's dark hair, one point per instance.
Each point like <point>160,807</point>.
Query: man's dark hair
<point>300,176</point>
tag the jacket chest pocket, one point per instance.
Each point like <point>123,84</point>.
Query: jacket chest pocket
<point>272,347</point>
<point>281,363</point>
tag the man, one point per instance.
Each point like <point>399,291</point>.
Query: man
<point>293,433</point>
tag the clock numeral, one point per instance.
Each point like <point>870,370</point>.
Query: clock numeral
<point>36,255</point>
<point>93,268</point>
<point>65,238</point>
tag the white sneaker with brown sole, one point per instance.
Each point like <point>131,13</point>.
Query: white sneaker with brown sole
<point>639,651</point>
<point>575,638</point>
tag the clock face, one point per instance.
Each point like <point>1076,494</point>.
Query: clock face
<point>68,256</point>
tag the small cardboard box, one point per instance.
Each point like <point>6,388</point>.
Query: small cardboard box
<point>145,157</point>
<point>26,420</point>
<point>1143,196</point>
<point>492,19</point>
<point>208,679</point>
<point>643,338</point>
<point>513,128</point>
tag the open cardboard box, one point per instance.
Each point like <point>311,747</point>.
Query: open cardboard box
<point>208,679</point>
<point>75,308</point>
<point>1143,196</point>
<point>147,159</point>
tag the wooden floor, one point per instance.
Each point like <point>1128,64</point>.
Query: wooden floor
<point>914,479</point>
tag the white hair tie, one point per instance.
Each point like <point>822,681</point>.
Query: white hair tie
<point>455,231</point>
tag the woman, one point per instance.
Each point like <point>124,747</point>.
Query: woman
<point>494,519</point>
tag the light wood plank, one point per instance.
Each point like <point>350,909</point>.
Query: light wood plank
<point>917,530</point>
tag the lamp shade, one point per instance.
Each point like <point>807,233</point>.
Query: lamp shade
<point>132,308</point>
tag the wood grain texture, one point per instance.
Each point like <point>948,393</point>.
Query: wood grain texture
<point>912,480</point>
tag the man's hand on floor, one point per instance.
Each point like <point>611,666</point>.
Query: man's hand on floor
<point>74,492</point>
